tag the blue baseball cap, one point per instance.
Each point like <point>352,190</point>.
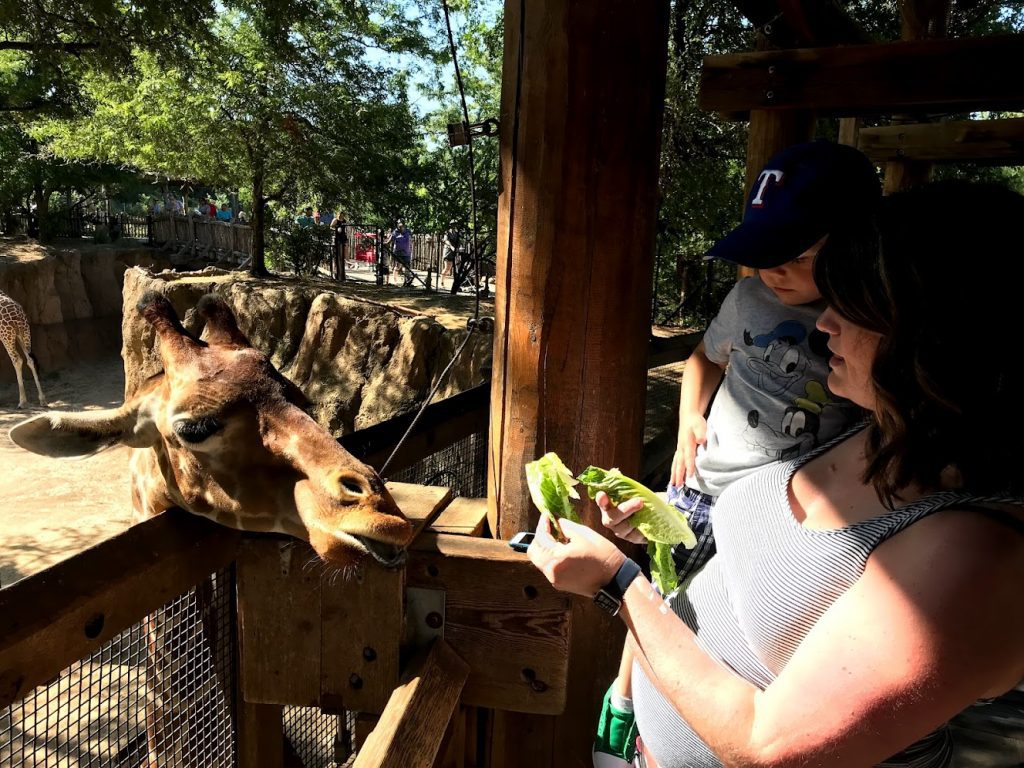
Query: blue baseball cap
<point>803,193</point>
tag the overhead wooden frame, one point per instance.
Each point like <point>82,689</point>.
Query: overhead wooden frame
<point>958,75</point>
<point>997,142</point>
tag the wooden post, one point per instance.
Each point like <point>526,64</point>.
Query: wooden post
<point>413,725</point>
<point>582,101</point>
<point>260,735</point>
<point>920,20</point>
<point>849,131</point>
<point>771,132</point>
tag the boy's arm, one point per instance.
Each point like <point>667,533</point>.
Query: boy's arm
<point>701,378</point>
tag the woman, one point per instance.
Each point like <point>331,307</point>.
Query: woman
<point>866,593</point>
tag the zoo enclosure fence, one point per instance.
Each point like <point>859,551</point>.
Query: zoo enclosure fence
<point>75,222</point>
<point>130,649</point>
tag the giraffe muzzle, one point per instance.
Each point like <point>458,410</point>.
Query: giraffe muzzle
<point>387,555</point>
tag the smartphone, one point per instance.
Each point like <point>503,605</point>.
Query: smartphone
<point>521,541</point>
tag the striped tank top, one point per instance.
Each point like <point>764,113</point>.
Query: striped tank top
<point>759,596</point>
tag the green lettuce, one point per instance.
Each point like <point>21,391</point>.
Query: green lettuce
<point>551,486</point>
<point>662,524</point>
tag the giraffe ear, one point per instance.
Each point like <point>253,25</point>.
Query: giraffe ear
<point>77,435</point>
<point>221,327</point>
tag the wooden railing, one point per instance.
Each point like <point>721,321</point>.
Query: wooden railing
<point>200,236</point>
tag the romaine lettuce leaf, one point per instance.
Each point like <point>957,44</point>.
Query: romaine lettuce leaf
<point>662,524</point>
<point>551,486</point>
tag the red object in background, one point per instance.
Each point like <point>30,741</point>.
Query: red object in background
<point>366,246</point>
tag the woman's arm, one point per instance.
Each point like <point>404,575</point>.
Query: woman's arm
<point>902,651</point>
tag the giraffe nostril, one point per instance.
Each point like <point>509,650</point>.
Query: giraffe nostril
<point>354,485</point>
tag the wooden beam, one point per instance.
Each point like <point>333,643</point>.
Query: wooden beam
<point>412,727</point>
<point>849,130</point>
<point>361,627</point>
<point>577,214</point>
<point>66,612</point>
<point>502,617</point>
<point>999,142</point>
<point>672,349</point>
<point>769,133</point>
<point>962,75</point>
<point>279,621</point>
<point>421,504</point>
<point>920,20</point>
<point>306,634</point>
<point>465,516</point>
<point>260,735</point>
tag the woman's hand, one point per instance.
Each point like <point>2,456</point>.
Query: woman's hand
<point>582,566</point>
<point>616,519</point>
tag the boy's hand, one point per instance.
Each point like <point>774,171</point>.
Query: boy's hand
<point>693,431</point>
<point>616,519</point>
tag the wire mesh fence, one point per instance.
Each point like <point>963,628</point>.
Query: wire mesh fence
<point>160,693</point>
<point>163,691</point>
<point>462,466</point>
<point>317,739</point>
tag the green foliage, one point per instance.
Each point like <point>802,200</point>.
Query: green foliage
<point>479,30</point>
<point>295,102</point>
<point>291,110</point>
<point>703,157</point>
<point>702,167</point>
<point>303,250</point>
<point>48,45</point>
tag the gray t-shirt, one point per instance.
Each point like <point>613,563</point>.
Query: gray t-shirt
<point>774,402</point>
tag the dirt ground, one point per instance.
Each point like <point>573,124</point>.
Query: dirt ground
<point>52,508</point>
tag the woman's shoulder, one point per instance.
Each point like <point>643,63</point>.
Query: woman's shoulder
<point>976,534</point>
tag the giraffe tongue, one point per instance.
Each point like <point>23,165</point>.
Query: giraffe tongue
<point>387,555</point>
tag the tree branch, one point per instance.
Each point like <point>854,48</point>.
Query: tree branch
<point>28,106</point>
<point>20,45</point>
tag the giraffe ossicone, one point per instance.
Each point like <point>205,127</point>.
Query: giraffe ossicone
<point>222,434</point>
<point>16,337</point>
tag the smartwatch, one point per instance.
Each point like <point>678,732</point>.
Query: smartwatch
<point>609,597</point>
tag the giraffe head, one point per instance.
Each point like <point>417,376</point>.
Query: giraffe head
<point>221,434</point>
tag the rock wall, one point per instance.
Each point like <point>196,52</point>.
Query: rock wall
<point>72,298</point>
<point>358,362</point>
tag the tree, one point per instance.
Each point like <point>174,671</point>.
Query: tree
<point>284,108</point>
<point>448,193</point>
<point>50,43</point>
<point>702,166</point>
<point>703,157</point>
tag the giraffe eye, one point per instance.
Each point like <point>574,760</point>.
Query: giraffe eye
<point>197,430</point>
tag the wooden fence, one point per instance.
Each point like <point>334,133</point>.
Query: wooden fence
<point>86,668</point>
<point>200,236</point>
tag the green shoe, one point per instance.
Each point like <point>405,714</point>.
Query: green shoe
<point>616,732</point>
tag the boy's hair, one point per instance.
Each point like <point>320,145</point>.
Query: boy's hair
<point>803,193</point>
<point>945,374</point>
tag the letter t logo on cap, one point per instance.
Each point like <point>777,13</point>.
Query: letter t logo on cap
<point>765,177</point>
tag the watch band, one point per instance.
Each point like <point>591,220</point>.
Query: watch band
<point>623,577</point>
<point>609,597</point>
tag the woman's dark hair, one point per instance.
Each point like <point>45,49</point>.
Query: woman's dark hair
<point>939,273</point>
